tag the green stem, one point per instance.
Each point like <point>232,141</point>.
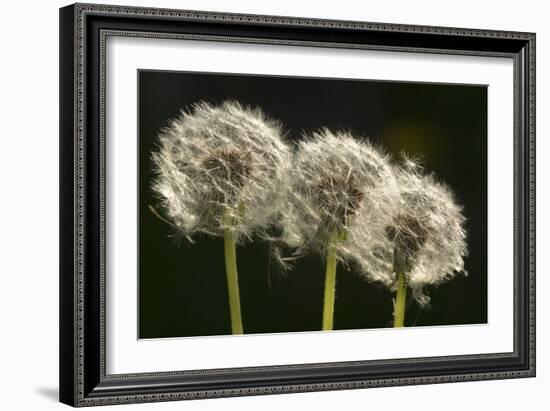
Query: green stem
<point>330,286</point>
<point>400,301</point>
<point>232,281</point>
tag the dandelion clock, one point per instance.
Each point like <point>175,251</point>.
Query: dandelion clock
<point>218,172</point>
<point>341,191</point>
<point>425,242</point>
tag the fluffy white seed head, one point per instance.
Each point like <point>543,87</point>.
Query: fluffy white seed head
<point>219,167</point>
<point>426,235</point>
<point>340,193</point>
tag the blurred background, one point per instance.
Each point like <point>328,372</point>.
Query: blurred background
<point>182,287</point>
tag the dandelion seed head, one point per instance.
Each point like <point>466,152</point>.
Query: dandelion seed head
<point>218,167</point>
<point>427,237</point>
<point>339,194</point>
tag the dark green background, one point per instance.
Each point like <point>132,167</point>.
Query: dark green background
<point>182,287</point>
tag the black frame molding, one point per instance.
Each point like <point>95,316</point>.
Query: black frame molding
<point>83,32</point>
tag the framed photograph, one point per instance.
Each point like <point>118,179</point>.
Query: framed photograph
<point>260,204</point>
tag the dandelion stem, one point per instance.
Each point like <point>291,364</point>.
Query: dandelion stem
<point>330,285</point>
<point>400,300</point>
<point>232,281</point>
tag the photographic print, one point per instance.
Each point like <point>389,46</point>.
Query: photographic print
<point>337,204</point>
<point>273,204</point>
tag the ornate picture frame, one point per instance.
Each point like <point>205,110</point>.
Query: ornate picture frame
<point>84,31</point>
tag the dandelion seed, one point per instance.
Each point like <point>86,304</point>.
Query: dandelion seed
<point>219,170</point>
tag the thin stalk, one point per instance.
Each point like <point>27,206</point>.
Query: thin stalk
<point>232,281</point>
<point>330,285</point>
<point>400,301</point>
